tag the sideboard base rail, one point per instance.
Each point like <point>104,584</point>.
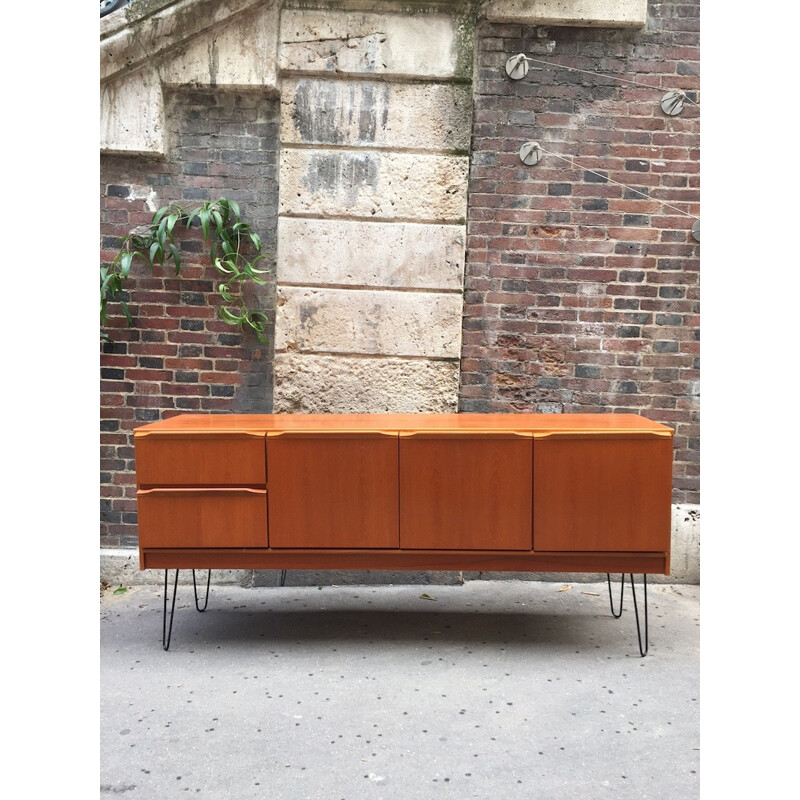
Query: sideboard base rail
<point>412,560</point>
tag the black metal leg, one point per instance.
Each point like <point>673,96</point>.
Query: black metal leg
<point>621,595</point>
<point>283,578</point>
<point>208,586</point>
<point>167,637</point>
<point>642,651</point>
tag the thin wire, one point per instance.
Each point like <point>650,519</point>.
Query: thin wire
<point>571,160</point>
<point>604,75</point>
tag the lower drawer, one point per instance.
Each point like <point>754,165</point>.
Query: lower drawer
<point>224,517</point>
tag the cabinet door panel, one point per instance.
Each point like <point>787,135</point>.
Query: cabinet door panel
<point>465,492</point>
<point>603,494</point>
<point>200,460</point>
<point>333,490</point>
<point>202,517</point>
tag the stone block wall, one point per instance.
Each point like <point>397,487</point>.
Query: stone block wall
<point>375,128</point>
<point>179,356</point>
<point>582,296</point>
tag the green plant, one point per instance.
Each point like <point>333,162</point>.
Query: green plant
<point>221,222</point>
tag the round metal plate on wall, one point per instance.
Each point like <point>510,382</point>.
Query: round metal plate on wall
<point>696,230</point>
<point>672,102</point>
<point>517,67</point>
<point>530,153</point>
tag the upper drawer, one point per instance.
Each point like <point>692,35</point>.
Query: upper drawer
<point>196,459</point>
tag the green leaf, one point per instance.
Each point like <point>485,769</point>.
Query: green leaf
<point>234,206</point>
<point>225,292</point>
<point>121,590</point>
<point>204,222</point>
<point>221,266</point>
<point>154,248</point>
<point>159,215</point>
<point>125,264</point>
<point>218,220</point>
<point>171,220</point>
<point>229,316</point>
<point>127,313</point>
<point>176,257</point>
<point>256,239</point>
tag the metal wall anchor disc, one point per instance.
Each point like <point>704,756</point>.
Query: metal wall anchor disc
<point>530,153</point>
<point>672,102</point>
<point>517,67</point>
<point>696,230</point>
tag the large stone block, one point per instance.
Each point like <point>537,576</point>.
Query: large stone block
<point>581,13</point>
<point>152,28</point>
<point>386,254</point>
<point>374,185</point>
<point>421,116</point>
<point>422,45</point>
<point>371,322</point>
<point>319,384</point>
<point>132,114</point>
<point>243,53</point>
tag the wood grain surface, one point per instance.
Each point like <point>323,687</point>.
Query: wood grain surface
<point>465,491</point>
<point>495,560</point>
<point>602,494</point>
<point>333,491</point>
<point>202,518</point>
<point>200,460</point>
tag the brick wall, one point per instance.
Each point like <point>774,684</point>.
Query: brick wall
<point>581,296</point>
<point>179,357</point>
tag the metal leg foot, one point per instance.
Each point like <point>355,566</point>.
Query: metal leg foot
<point>642,650</point>
<point>283,578</point>
<point>208,586</point>
<point>621,595</point>
<point>166,637</point>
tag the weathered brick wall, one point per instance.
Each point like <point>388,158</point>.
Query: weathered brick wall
<point>581,296</point>
<point>179,356</point>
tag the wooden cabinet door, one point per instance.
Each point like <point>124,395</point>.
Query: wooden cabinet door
<point>604,493</point>
<point>465,491</point>
<point>332,490</point>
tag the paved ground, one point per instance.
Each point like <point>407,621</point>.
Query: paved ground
<point>493,689</point>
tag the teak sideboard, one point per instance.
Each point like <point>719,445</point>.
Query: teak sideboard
<point>525,492</point>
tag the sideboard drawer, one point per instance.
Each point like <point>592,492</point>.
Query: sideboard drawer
<point>201,460</point>
<point>229,517</point>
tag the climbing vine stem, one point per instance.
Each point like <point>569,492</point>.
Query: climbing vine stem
<point>235,250</point>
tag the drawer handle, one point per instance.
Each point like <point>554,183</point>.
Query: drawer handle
<point>331,434</point>
<point>203,490</point>
<point>194,435</point>
<point>475,434</point>
<point>620,434</point>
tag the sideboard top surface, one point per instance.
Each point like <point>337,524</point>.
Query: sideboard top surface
<point>456,423</point>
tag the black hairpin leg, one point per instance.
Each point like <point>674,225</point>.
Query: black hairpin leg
<point>167,637</point>
<point>643,648</point>
<point>642,651</point>
<point>283,578</point>
<point>621,595</point>
<point>208,586</point>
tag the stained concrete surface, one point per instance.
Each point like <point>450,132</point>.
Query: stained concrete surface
<point>488,690</point>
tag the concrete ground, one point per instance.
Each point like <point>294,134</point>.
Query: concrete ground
<point>493,689</point>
